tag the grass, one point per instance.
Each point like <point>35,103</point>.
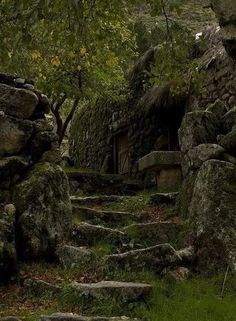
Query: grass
<point>196,299</point>
<point>132,204</point>
<point>193,300</point>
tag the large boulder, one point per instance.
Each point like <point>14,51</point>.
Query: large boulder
<point>7,243</point>
<point>229,142</point>
<point>229,119</point>
<point>213,214</point>
<point>198,127</point>
<point>43,211</point>
<point>17,102</point>
<point>201,153</point>
<point>15,134</point>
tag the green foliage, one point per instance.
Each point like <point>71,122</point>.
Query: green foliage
<point>70,47</point>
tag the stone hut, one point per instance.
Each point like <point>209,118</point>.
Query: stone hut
<point>111,136</point>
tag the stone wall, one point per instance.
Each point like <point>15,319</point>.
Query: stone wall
<point>219,73</point>
<point>34,193</point>
<point>94,129</point>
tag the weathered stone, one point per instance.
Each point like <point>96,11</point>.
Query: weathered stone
<point>163,199</point>
<point>15,134</point>
<point>105,217</point>
<point>96,200</point>
<point>8,265</point>
<point>218,108</point>
<point>198,127</point>
<point>44,210</point>
<point>42,142</point>
<point>213,214</point>
<point>75,317</point>
<point>52,156</point>
<point>159,159</point>
<point>42,125</point>
<point>228,142</point>
<point>201,153</point>
<point>177,274</point>
<point>154,258</point>
<point>185,195</point>
<point>10,166</point>
<point>20,103</point>
<point>71,256</point>
<point>229,119</point>
<point>87,234</point>
<point>40,288</point>
<point>150,234</point>
<point>121,292</point>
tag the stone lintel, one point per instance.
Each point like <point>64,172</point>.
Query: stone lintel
<point>158,160</point>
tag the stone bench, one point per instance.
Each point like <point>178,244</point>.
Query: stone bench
<point>167,166</point>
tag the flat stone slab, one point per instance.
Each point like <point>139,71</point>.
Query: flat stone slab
<point>85,234</point>
<point>151,234</point>
<point>110,218</point>
<point>154,258</point>
<point>75,317</point>
<point>96,200</point>
<point>72,256</point>
<point>158,160</point>
<point>121,291</point>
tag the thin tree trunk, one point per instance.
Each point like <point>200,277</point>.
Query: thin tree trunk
<point>68,120</point>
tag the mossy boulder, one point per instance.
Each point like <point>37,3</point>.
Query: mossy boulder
<point>198,127</point>
<point>229,142</point>
<point>43,211</point>
<point>212,212</point>
<point>8,264</point>
<point>15,134</point>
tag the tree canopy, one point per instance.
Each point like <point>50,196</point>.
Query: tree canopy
<point>74,49</point>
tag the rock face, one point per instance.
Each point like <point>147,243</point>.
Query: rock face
<point>197,128</point>
<point>213,213</point>
<point>17,102</point>
<point>226,13</point>
<point>29,178</point>
<point>15,134</point>
<point>43,210</point>
<point>7,243</point>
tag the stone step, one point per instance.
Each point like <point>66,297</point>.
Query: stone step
<point>75,317</point>
<point>150,234</point>
<point>89,182</point>
<point>154,258</point>
<point>163,199</point>
<point>121,292</point>
<point>85,234</point>
<point>96,200</point>
<point>90,294</point>
<point>105,217</point>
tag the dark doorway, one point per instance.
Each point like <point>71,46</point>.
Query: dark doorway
<point>121,153</point>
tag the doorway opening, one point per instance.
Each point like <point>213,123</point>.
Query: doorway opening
<point>121,154</point>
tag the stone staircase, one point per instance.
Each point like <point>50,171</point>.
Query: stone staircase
<point>135,243</point>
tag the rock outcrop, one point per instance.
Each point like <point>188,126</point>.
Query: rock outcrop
<point>30,181</point>
<point>208,195</point>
